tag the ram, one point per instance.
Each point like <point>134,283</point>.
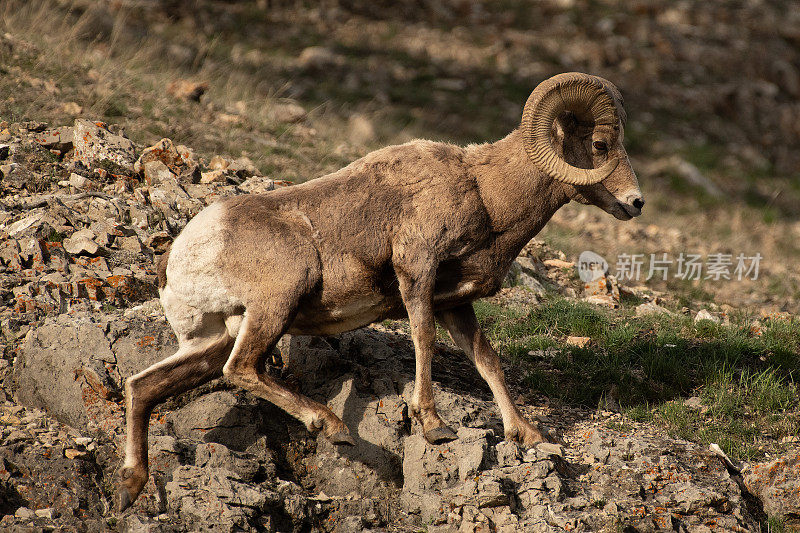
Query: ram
<point>418,230</point>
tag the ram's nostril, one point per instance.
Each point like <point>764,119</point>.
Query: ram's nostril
<point>638,203</point>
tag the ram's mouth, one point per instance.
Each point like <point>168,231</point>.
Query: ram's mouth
<point>625,212</point>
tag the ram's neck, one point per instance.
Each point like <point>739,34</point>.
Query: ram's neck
<point>519,199</point>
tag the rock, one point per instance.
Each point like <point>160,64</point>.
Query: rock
<point>50,373</point>
<point>33,254</point>
<point>777,484</point>
<point>94,144</point>
<point>524,272</point>
<point>67,367</point>
<point>580,342</point>
<point>599,450</point>
<point>7,170</point>
<point>704,314</point>
<point>156,172</point>
<point>79,182</point>
<point>82,243</point>
<point>287,112</point>
<point>429,469</point>
<point>159,241</point>
<point>130,244</point>
<point>125,289</point>
<point>605,300</point>
<point>56,139</point>
<point>651,308</point>
<point>47,513</point>
<point>179,160</point>
<point>218,163</point>
<point>24,513</point>
<point>602,290</point>
<point>37,224</point>
<point>548,448</point>
<point>693,403</point>
<point>84,441</point>
<point>243,167</point>
<point>214,176</point>
<point>187,89</point>
<point>165,454</point>
<point>9,255</point>
<point>216,497</point>
<point>508,453</point>
<point>72,453</point>
<point>245,465</point>
<point>348,524</point>
<point>219,417</point>
<point>558,263</point>
<point>490,493</point>
<point>471,450</point>
<point>375,422</point>
<point>258,185</point>
<point>318,57</point>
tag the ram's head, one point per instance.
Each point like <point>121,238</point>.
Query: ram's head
<point>573,126</point>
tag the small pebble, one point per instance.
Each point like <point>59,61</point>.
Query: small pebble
<point>84,441</point>
<point>48,513</point>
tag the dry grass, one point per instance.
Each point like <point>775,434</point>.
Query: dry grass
<point>404,80</point>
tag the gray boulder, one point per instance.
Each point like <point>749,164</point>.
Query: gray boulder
<point>777,484</point>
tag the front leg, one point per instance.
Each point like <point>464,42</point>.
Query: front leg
<point>417,294</point>
<point>465,331</point>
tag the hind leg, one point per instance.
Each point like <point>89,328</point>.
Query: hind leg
<point>204,345</point>
<point>262,327</point>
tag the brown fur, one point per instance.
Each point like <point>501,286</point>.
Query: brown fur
<point>161,268</point>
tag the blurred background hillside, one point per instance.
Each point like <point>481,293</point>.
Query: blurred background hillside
<point>712,91</point>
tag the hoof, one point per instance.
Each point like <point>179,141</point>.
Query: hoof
<point>124,499</point>
<point>551,436</point>
<point>342,438</point>
<point>527,435</point>
<point>130,486</point>
<point>440,435</point>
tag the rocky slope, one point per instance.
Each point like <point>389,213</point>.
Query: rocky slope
<point>79,315</point>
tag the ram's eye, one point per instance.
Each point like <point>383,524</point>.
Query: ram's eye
<point>600,146</point>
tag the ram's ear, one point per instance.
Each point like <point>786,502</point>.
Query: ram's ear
<point>567,122</point>
<point>564,126</point>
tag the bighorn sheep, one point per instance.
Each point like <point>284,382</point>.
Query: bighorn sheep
<point>418,230</point>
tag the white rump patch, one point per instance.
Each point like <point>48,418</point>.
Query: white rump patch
<point>194,267</point>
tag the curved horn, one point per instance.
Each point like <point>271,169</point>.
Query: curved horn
<point>586,96</point>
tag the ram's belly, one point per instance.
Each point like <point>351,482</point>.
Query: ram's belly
<point>330,319</point>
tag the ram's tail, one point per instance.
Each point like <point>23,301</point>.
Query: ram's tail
<point>162,268</point>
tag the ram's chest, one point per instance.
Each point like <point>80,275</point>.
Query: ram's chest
<point>474,276</point>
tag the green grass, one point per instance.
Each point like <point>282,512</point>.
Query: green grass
<point>746,381</point>
<point>55,236</point>
<point>777,524</point>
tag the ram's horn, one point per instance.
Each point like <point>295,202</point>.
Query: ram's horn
<point>589,99</point>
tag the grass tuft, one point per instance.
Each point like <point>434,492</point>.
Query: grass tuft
<point>745,381</point>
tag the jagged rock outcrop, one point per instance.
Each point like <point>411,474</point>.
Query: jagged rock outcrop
<point>226,460</point>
